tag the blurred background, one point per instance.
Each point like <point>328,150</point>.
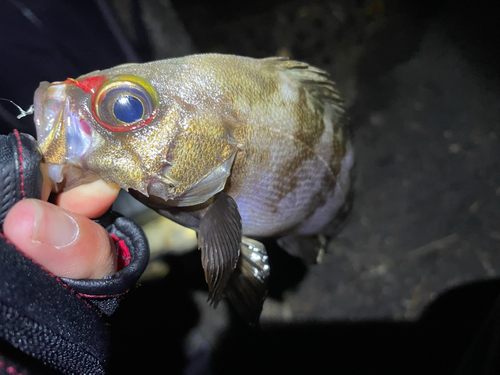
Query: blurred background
<point>410,284</point>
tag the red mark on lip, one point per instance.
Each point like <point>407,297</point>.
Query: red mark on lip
<point>85,126</point>
<point>89,85</point>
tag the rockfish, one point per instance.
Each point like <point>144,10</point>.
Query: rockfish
<point>233,147</point>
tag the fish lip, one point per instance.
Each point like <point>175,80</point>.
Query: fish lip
<point>38,101</point>
<point>64,135</point>
<point>49,100</point>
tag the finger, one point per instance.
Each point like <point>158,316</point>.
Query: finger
<point>90,200</point>
<point>64,243</point>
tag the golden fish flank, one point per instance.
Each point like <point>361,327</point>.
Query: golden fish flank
<point>258,145</point>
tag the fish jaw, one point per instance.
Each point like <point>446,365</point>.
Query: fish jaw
<point>63,132</point>
<point>48,105</point>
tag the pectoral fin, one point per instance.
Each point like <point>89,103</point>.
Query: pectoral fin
<point>247,288</point>
<point>219,238</point>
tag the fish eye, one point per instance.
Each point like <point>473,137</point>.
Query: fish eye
<point>125,103</point>
<point>128,109</point>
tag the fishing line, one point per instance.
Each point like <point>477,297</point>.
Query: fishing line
<point>23,113</point>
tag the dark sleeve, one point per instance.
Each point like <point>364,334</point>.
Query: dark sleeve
<point>50,324</point>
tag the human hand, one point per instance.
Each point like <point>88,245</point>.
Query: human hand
<point>61,237</point>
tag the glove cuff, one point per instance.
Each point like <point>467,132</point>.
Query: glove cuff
<point>133,257</point>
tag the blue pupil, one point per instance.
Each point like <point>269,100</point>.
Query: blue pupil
<point>128,109</point>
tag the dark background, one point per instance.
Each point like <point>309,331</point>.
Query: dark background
<point>410,285</point>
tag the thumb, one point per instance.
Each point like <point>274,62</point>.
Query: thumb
<point>64,243</point>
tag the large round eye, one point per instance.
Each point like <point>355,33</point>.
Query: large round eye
<point>125,103</point>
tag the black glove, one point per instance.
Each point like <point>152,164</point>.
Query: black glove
<point>49,323</point>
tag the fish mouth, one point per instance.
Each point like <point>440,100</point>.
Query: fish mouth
<point>64,135</point>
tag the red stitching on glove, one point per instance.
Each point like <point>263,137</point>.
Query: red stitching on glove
<point>20,153</point>
<point>102,296</point>
<point>10,369</point>
<point>124,256</point>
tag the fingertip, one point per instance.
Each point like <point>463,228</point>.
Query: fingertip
<point>90,200</point>
<point>64,243</point>
<point>18,224</point>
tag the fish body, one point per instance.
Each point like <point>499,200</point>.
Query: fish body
<point>226,145</point>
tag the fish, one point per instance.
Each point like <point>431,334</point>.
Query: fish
<point>237,148</point>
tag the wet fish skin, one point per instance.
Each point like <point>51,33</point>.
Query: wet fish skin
<point>269,135</point>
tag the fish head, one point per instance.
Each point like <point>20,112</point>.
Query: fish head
<point>137,128</point>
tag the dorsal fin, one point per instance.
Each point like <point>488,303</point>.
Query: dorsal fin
<point>317,81</point>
